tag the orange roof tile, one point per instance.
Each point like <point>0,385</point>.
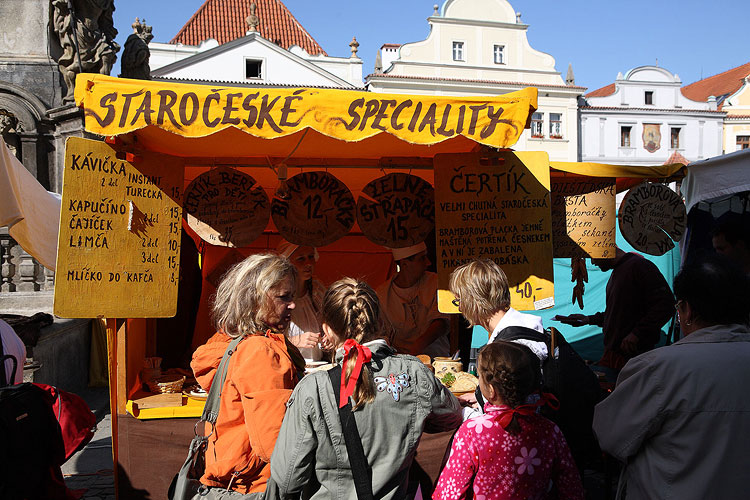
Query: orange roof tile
<point>224,21</point>
<point>676,157</point>
<point>602,92</point>
<point>721,85</point>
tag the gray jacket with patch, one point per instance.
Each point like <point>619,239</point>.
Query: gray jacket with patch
<point>310,455</point>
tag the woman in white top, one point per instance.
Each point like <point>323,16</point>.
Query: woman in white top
<point>305,331</point>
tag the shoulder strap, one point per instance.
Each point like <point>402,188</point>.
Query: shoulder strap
<point>211,410</point>
<point>522,332</point>
<point>352,440</point>
<point>3,379</point>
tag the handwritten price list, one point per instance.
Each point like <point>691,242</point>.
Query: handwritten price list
<point>118,251</point>
<point>583,217</point>
<point>496,209</point>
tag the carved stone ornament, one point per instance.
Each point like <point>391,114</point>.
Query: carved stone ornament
<point>252,20</point>
<point>87,36</point>
<point>136,55</point>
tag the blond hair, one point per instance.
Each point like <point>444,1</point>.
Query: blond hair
<point>352,310</point>
<point>242,298</point>
<point>481,288</point>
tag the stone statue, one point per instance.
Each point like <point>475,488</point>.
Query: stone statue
<point>86,32</point>
<point>136,54</point>
<point>9,130</point>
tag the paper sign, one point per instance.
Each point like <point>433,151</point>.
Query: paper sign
<point>651,217</point>
<point>397,210</point>
<point>497,209</point>
<point>583,217</point>
<point>118,252</point>
<point>318,210</point>
<point>226,207</point>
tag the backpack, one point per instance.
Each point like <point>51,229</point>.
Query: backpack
<point>31,446</point>
<point>566,376</point>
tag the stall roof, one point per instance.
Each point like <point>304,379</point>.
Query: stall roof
<point>627,175</point>
<point>717,177</point>
<point>223,121</point>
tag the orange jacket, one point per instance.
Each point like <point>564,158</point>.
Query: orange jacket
<point>260,379</point>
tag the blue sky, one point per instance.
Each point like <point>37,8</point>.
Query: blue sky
<point>599,37</point>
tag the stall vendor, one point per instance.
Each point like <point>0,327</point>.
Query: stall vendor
<point>409,300</point>
<point>305,331</point>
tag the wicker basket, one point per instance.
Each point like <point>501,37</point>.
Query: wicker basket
<point>166,384</point>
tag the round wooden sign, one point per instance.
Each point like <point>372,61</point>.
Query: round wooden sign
<point>318,210</point>
<point>397,210</point>
<point>652,216</point>
<point>226,207</point>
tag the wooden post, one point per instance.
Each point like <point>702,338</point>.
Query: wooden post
<point>113,393</point>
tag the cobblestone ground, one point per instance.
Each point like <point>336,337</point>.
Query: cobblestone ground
<point>89,471</point>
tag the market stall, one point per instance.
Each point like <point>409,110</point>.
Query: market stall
<point>191,178</point>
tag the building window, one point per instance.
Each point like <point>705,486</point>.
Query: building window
<point>253,68</point>
<point>648,97</point>
<point>458,51</point>
<point>743,142</point>
<point>555,126</point>
<point>625,136</point>
<point>675,137</point>
<point>537,125</point>
<point>499,52</point>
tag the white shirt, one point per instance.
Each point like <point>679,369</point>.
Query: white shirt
<point>12,345</point>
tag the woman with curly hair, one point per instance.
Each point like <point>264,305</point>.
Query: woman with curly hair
<point>510,451</point>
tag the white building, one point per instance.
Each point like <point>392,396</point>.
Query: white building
<point>480,47</point>
<point>257,42</point>
<point>644,118</point>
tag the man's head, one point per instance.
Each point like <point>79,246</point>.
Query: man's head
<point>731,237</point>
<point>481,289</point>
<point>608,264</point>
<point>412,261</point>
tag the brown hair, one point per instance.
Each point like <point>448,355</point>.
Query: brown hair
<point>241,300</point>
<point>512,370</point>
<point>352,310</point>
<point>482,289</point>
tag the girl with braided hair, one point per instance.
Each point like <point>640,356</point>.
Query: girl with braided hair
<point>393,399</point>
<point>511,451</point>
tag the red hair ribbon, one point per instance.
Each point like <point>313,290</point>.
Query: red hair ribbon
<point>505,416</point>
<point>364,355</point>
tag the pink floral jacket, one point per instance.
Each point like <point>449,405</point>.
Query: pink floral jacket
<point>535,464</point>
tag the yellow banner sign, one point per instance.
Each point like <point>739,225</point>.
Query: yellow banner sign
<point>118,252</point>
<point>116,106</point>
<point>499,209</point>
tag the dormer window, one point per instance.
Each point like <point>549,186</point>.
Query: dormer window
<point>253,69</point>
<point>499,54</point>
<point>648,97</point>
<point>458,51</point>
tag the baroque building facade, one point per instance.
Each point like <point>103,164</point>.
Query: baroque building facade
<point>644,118</point>
<point>482,48</point>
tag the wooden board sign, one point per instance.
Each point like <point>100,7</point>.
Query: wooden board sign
<point>652,216</point>
<point>118,251</point>
<point>318,210</point>
<point>397,210</point>
<point>499,209</point>
<point>226,207</point>
<point>583,217</point>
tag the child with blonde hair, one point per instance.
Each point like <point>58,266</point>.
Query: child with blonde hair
<point>511,451</point>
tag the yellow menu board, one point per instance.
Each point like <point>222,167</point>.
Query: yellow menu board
<point>118,251</point>
<point>496,208</point>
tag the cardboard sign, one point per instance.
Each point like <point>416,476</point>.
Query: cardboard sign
<point>118,252</point>
<point>397,210</point>
<point>651,216</point>
<point>583,217</point>
<point>318,210</point>
<point>496,209</point>
<point>226,207</point>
